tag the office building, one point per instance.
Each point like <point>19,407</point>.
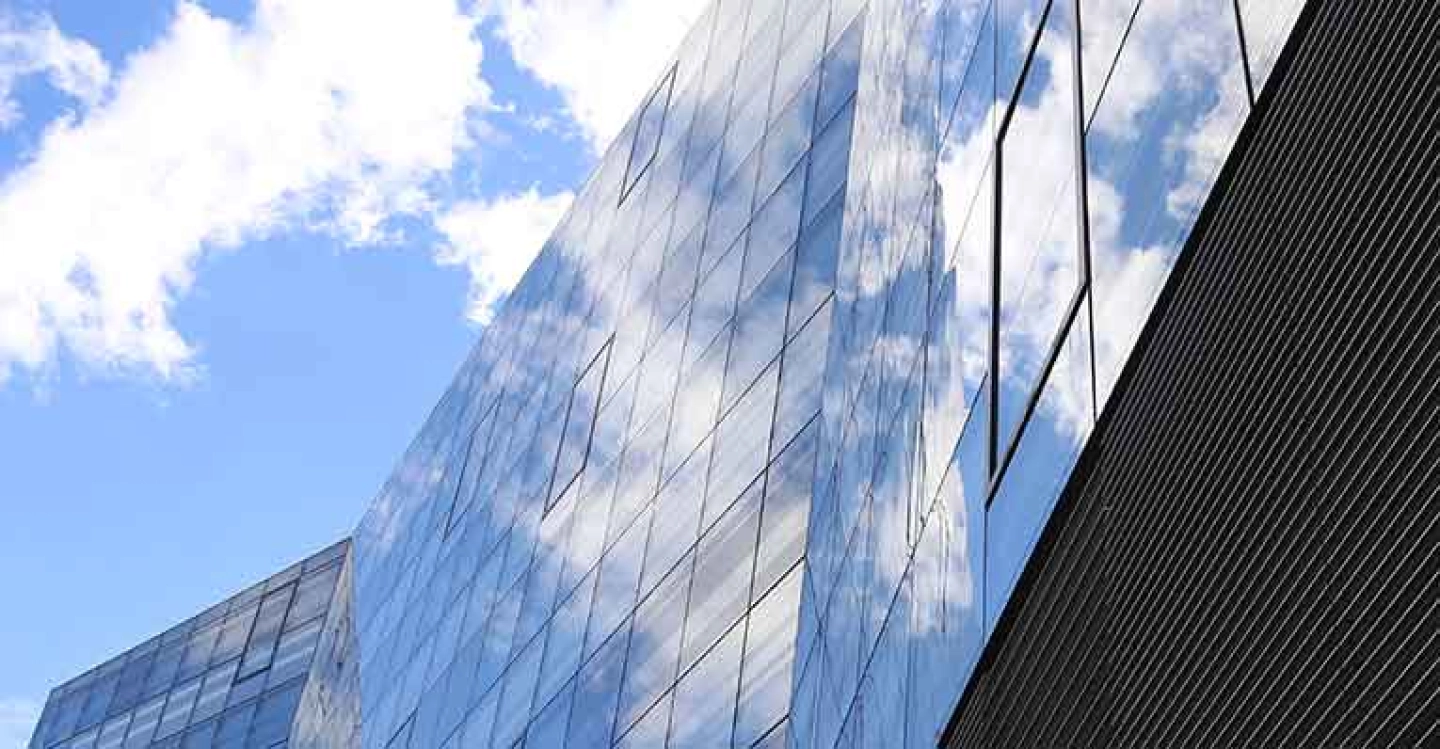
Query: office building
<point>230,676</point>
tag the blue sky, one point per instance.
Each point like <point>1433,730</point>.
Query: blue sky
<point>243,247</point>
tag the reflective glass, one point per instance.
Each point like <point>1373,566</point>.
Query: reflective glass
<point>1267,25</point>
<point>1159,134</point>
<point>769,655</point>
<point>1040,259</point>
<point>705,696</point>
<point>722,575</point>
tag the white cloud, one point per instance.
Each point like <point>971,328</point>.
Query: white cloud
<point>17,721</point>
<point>36,46</point>
<point>601,55</point>
<point>330,114</point>
<point>496,239</point>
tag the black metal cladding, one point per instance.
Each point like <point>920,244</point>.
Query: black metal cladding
<point>1249,552</point>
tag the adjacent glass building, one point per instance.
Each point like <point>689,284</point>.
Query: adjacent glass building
<point>231,676</point>
<point>756,450</point>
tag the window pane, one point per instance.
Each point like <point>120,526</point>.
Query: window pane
<point>213,690</point>
<point>741,442</point>
<point>787,511</point>
<point>722,575</point>
<point>829,160</point>
<point>1267,25</point>
<point>177,708</point>
<point>769,655</point>
<point>760,330</point>
<point>292,655</point>
<point>654,645</point>
<point>579,425</point>
<point>647,132</point>
<point>142,726</point>
<point>773,230</point>
<point>705,697</point>
<point>802,378</point>
<point>1155,145</point>
<point>273,716</point>
<point>1039,253</point>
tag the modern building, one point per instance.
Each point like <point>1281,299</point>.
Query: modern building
<point>952,373</point>
<point>230,676</point>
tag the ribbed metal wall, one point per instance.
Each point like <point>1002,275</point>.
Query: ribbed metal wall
<point>1249,553</point>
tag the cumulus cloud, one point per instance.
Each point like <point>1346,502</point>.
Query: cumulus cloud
<point>330,114</point>
<point>35,46</point>
<point>17,720</point>
<point>600,55</point>
<point>495,239</point>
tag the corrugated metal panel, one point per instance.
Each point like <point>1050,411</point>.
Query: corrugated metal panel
<point>1249,554</point>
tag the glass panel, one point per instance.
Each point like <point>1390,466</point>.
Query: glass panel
<point>1103,26</point>
<point>1268,24</point>
<point>786,512</point>
<point>113,732</point>
<point>596,695</point>
<point>829,161</point>
<point>722,575</point>
<point>142,726</point>
<point>273,716</point>
<point>841,73</point>
<point>566,633</point>
<point>741,442</point>
<point>705,697</point>
<point>1039,253</point>
<point>1018,21</point>
<point>549,727</point>
<point>213,690</point>
<point>787,139</point>
<point>201,737</point>
<point>650,731</point>
<point>759,332</point>
<point>647,132</point>
<point>292,655</point>
<point>773,231</point>
<point>177,708</point>
<point>579,425</point>
<point>480,723</point>
<point>233,634</point>
<point>654,645</point>
<point>946,619</point>
<point>1046,452</point>
<point>519,690</point>
<point>801,378</point>
<point>731,211</point>
<point>619,576</point>
<point>1161,131</point>
<point>769,655</point>
<point>677,518</point>
<point>312,596</point>
<point>197,653</point>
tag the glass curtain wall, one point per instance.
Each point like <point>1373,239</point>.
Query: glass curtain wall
<point>756,450</point>
<point>598,537</point>
<point>1023,176</point>
<point>228,678</point>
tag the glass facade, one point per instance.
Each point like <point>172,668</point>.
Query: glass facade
<point>1061,150</point>
<point>598,538</point>
<point>229,677</point>
<point>756,450</point>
